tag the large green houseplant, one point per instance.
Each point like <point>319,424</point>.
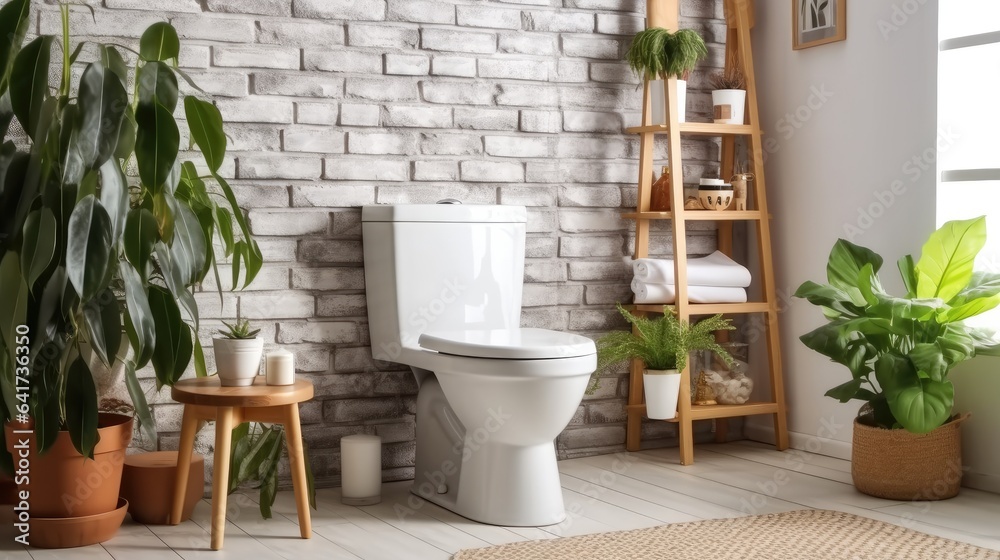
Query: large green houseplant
<point>900,350</point>
<point>663,344</point>
<point>91,259</point>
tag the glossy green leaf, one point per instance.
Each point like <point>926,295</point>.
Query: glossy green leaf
<point>126,135</point>
<point>200,369</point>
<point>113,61</point>
<point>14,22</point>
<point>157,84</point>
<point>156,144</point>
<point>205,122</point>
<point>829,297</point>
<point>88,247</point>
<point>89,186</point>
<point>928,358</point>
<point>173,349</point>
<point>48,423</point>
<point>239,447</point>
<point>81,408</point>
<point>141,234</point>
<point>163,214</point>
<point>115,197</point>
<point>947,259</point>
<point>846,391</point>
<point>919,404</point>
<point>14,303</point>
<point>833,341</point>
<point>29,86</point>
<point>38,245</point>
<point>189,243</point>
<point>6,115</point>
<point>907,270</point>
<point>173,277</point>
<point>224,221</point>
<point>159,42</point>
<point>139,321</point>
<point>142,411</point>
<point>845,263</point>
<point>102,316</point>
<point>102,101</point>
<point>253,258</point>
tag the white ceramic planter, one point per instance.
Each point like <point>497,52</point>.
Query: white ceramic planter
<point>661,388</point>
<point>729,105</point>
<point>238,361</point>
<point>659,101</point>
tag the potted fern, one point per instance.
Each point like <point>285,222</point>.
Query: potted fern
<point>238,353</point>
<point>663,344</point>
<point>656,54</point>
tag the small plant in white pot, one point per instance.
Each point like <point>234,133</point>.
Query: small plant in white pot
<point>238,353</point>
<point>729,95</point>
<point>663,344</point>
<point>657,54</point>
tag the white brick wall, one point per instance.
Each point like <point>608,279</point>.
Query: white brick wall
<point>333,104</point>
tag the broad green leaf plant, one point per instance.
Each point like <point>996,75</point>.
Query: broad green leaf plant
<point>662,343</point>
<point>900,350</point>
<point>88,255</point>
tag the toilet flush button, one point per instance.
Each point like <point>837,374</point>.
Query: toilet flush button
<point>449,201</point>
<point>442,489</point>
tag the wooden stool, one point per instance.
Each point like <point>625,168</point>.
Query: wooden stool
<point>205,399</point>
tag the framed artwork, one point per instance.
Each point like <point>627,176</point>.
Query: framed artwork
<point>817,22</point>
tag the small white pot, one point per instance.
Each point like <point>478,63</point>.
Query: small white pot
<point>661,388</point>
<point>728,105</point>
<point>238,361</point>
<point>659,102</point>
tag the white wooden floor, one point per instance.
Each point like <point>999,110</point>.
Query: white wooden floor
<point>606,493</point>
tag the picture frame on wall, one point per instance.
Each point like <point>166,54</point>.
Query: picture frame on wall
<point>818,22</point>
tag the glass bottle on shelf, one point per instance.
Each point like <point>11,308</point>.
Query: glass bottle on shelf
<point>660,197</point>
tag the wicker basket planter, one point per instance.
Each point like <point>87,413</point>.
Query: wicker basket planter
<point>901,465</point>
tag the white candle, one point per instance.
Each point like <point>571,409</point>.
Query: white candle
<point>280,367</point>
<point>361,469</point>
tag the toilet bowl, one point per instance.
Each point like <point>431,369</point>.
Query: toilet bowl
<point>444,297</point>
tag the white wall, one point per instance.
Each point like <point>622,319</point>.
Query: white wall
<point>847,120</point>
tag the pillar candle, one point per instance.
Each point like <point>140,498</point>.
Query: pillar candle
<point>280,367</point>
<point>361,469</point>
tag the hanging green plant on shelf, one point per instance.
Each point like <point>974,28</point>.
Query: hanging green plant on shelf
<point>656,53</point>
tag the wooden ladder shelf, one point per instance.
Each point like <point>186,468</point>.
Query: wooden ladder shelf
<point>665,13</point>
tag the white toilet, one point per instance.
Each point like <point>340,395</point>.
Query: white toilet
<point>443,283</point>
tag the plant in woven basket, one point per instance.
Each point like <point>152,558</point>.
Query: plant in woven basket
<point>656,53</point>
<point>900,350</point>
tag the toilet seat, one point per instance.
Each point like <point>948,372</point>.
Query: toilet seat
<point>509,344</point>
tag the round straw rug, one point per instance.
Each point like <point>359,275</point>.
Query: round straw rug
<point>795,535</point>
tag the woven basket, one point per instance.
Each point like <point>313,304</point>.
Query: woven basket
<point>900,465</point>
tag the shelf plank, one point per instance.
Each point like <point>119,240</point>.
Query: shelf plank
<point>697,215</point>
<point>711,308</point>
<point>709,412</point>
<point>696,128</point>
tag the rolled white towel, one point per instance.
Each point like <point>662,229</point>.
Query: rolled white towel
<point>665,293</point>
<point>714,270</point>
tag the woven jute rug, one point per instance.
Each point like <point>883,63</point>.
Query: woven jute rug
<point>795,535</point>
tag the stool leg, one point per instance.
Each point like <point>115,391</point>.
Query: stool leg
<point>189,427</point>
<point>293,440</point>
<point>220,477</point>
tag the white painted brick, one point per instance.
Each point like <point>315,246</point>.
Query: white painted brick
<point>252,137</point>
<point>559,22</point>
<point>316,113</point>
<point>279,167</point>
<point>269,278</point>
<point>436,170</point>
<point>526,96</point>
<point>541,121</point>
<point>532,2</point>
<point>299,34</point>
<point>619,5</point>
<point>288,222</point>
<point>543,271</point>
<point>345,169</point>
<point>381,89</point>
<point>600,270</point>
<point>589,121</point>
<point>247,56</point>
<point>543,172</point>
<point>485,119</point>
<point>457,93</point>
<point>542,220</point>
<point>517,146</point>
<point>277,250</point>
<point>581,246</point>
<point>610,24</point>
<point>223,83</point>
<point>255,109</point>
<point>569,147</point>
<point>380,143</point>
<point>322,332</point>
<point>589,47</point>
<point>382,35</point>
<point>229,30</point>
<point>513,69</point>
<point>330,278</point>
<point>602,172</point>
<point>458,41</point>
<point>540,247</point>
<point>421,12</point>
<point>192,6</point>
<point>607,294</point>
<point>430,194</point>
<point>568,70</point>
<point>365,10</point>
<point>194,56</point>
<point>590,196</point>
<point>281,305</point>
<point>527,43</point>
<point>341,60</point>
<point>589,221</point>
<point>497,18</point>
<point>108,23</point>
<point>492,172</point>
<point>313,139</point>
<point>611,72</point>
<point>599,97</point>
<point>450,144</point>
<point>260,7</point>
<point>330,250</point>
<point>352,114</point>
<point>527,196</point>
<point>418,117</point>
<point>298,84</point>
<point>453,66</point>
<point>341,305</point>
<point>536,295</point>
<point>407,64</point>
<point>332,195</point>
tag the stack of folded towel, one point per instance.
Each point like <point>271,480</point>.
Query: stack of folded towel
<point>712,279</point>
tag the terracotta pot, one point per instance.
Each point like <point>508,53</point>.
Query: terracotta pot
<point>63,483</point>
<point>148,485</point>
<point>69,532</point>
<point>8,490</point>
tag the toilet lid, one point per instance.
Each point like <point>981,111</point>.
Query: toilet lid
<point>509,344</point>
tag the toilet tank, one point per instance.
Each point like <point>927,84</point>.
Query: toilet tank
<point>431,267</point>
